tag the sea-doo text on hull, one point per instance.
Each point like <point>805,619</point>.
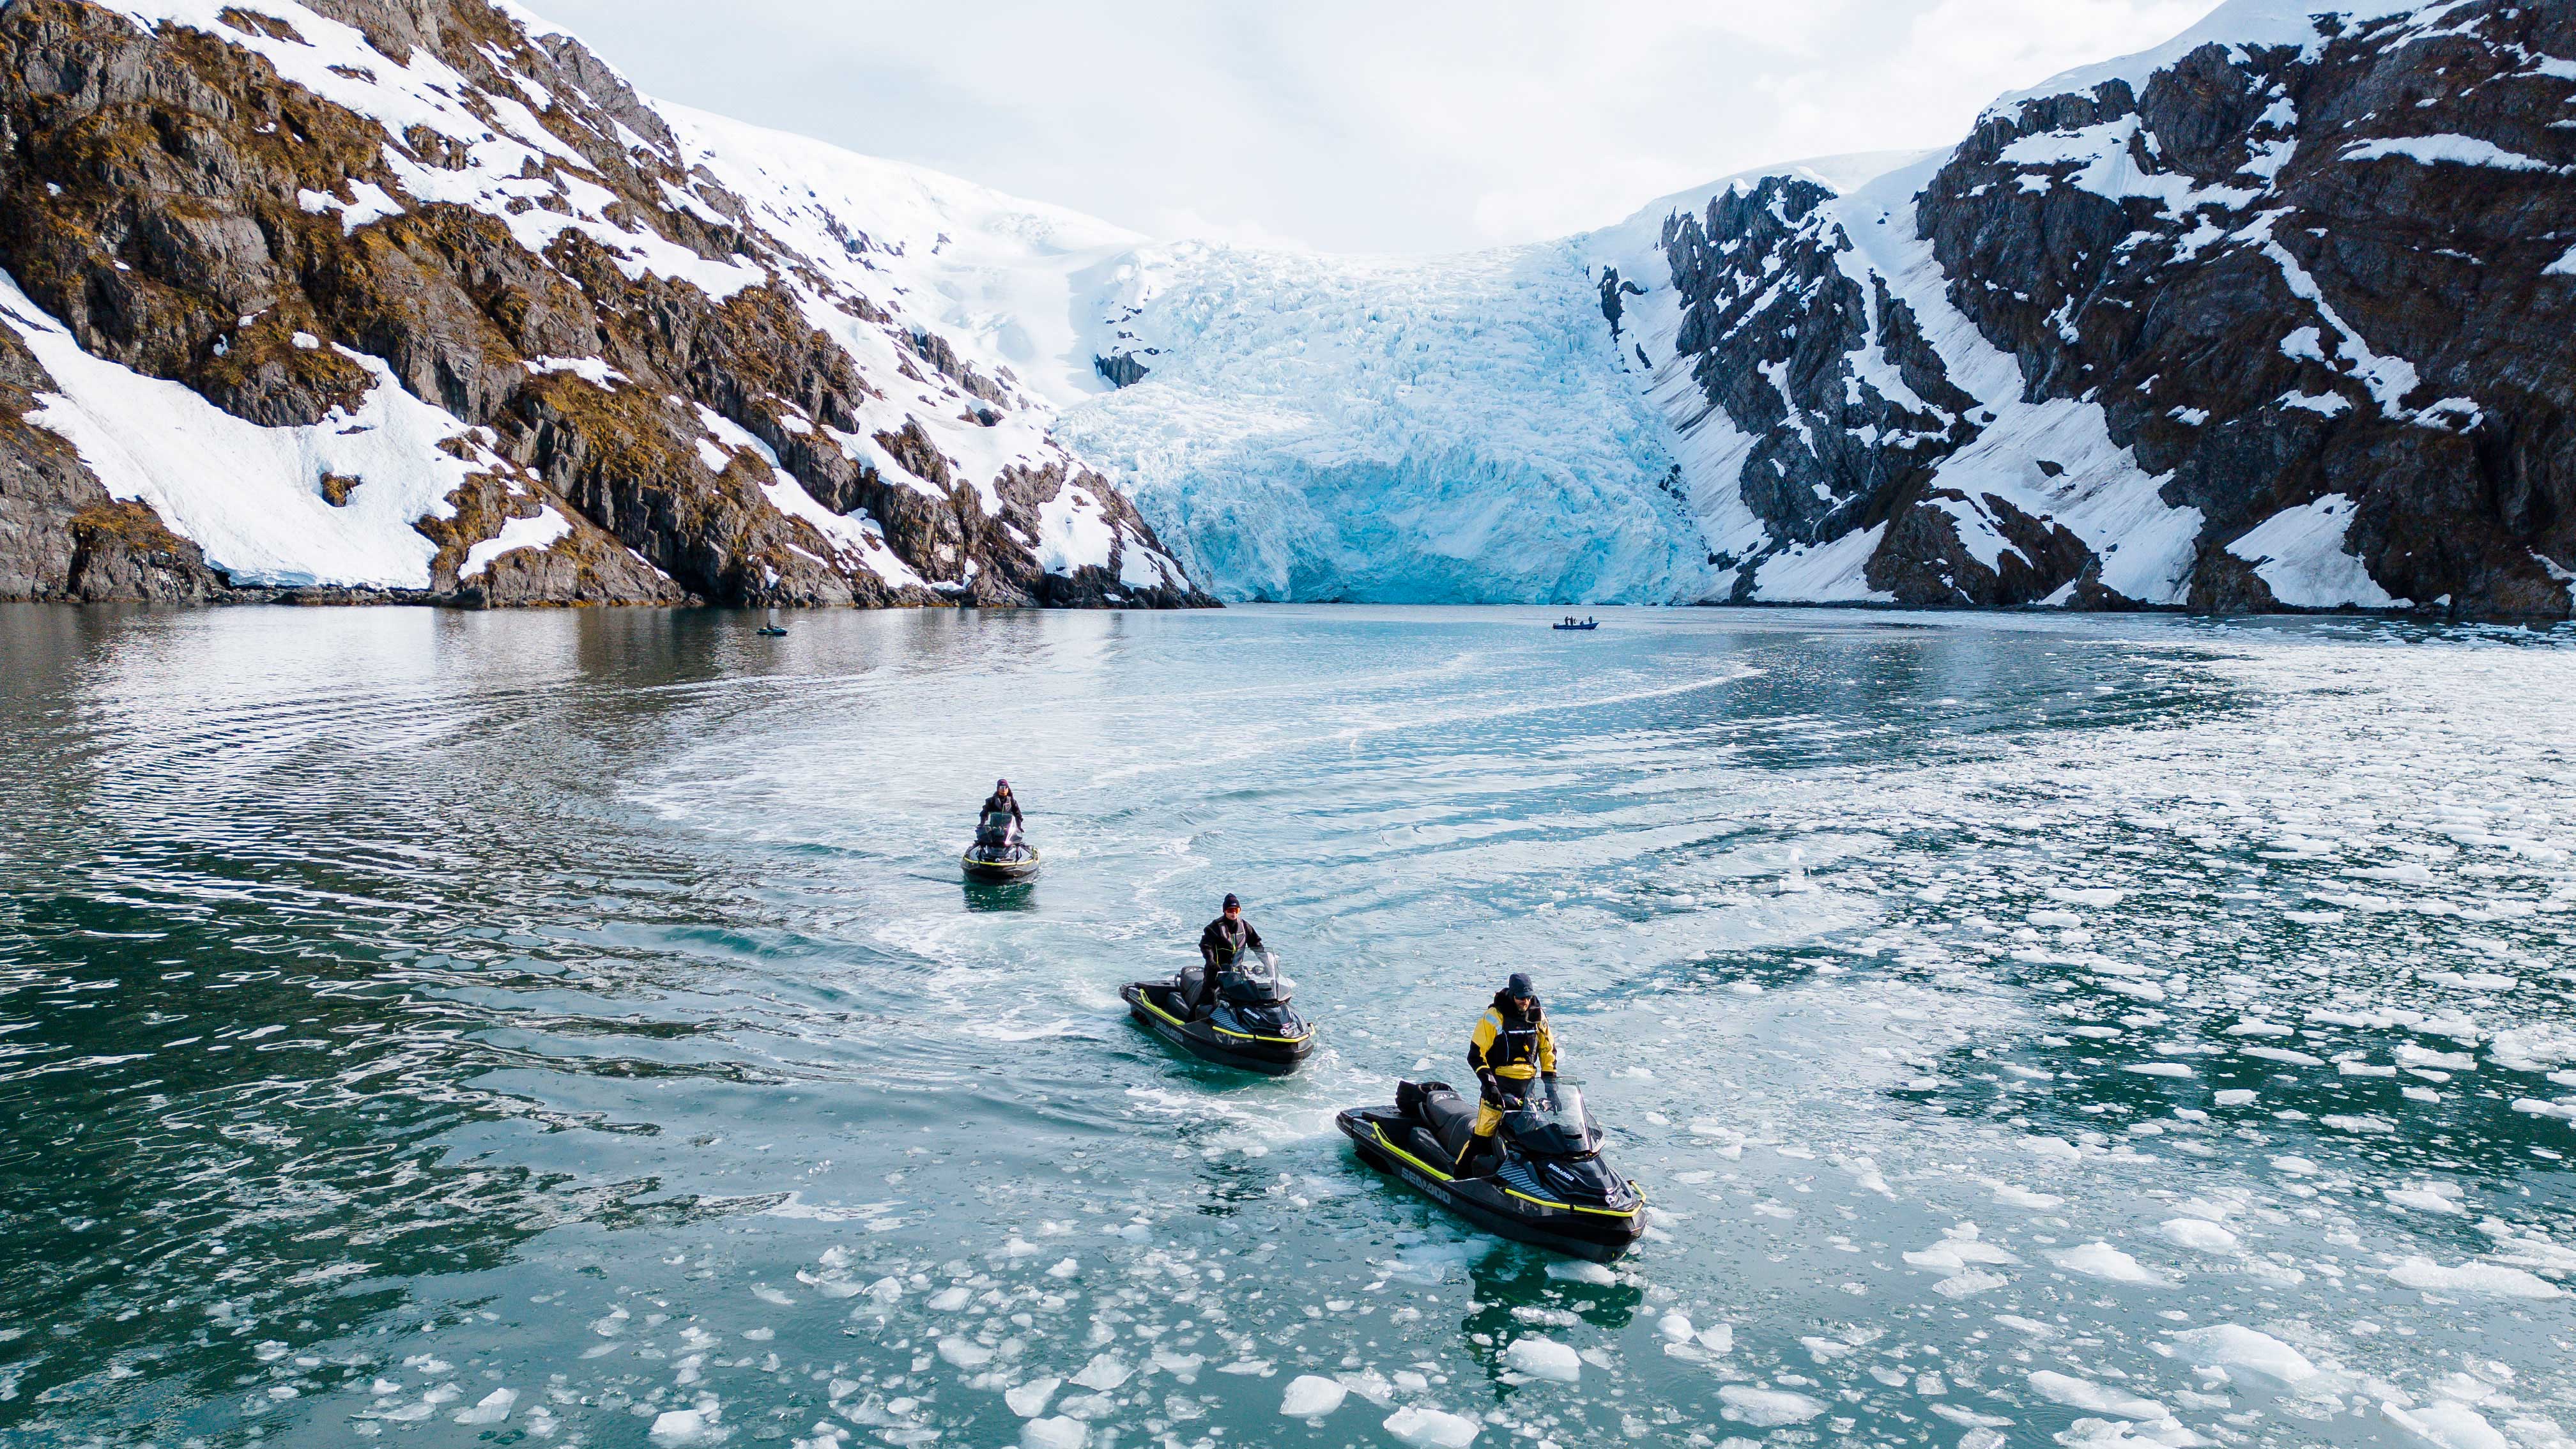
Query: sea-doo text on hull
<point>1551,1189</point>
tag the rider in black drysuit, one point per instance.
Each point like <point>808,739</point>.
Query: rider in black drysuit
<point>1225,938</point>
<point>1003,802</point>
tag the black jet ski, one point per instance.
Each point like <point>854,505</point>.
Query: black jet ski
<point>1551,1188</point>
<point>1253,1026</point>
<point>1000,854</point>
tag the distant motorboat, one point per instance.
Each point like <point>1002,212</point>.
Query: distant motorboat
<point>1578,626</point>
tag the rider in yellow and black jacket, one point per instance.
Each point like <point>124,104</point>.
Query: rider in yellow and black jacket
<point>1511,1047</point>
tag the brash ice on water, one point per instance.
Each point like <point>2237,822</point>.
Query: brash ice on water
<point>431,1030</point>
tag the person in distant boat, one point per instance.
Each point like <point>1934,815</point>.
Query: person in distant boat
<point>1511,1046</point>
<point>1225,938</point>
<point>1003,802</point>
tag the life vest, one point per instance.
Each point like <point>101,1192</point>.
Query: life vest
<point>1510,1045</point>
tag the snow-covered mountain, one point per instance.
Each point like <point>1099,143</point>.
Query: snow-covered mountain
<point>2275,315</point>
<point>419,296</point>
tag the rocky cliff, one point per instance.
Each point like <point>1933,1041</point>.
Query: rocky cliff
<point>2278,317</point>
<point>417,299</point>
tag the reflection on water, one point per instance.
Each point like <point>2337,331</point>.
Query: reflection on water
<point>992,896</point>
<point>430,1027</point>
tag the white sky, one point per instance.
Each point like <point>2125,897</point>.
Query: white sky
<point>1359,125</point>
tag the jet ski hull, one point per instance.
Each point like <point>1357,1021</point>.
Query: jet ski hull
<point>1000,872</point>
<point>1153,1006</point>
<point>1384,1137</point>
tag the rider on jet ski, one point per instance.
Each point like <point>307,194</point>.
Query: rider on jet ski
<point>1225,938</point>
<point>1512,1045</point>
<point>1003,802</point>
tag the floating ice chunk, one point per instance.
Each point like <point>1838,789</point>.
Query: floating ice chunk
<point>2098,897</point>
<point>2411,1055</point>
<point>950,1300</point>
<point>1572,1271</point>
<point>1105,1372</point>
<point>2234,1097</point>
<point>1431,1429</point>
<point>1371,1385</point>
<point>2199,1235</point>
<point>685,1426</point>
<point>964,1352</point>
<point>2487,1280</point>
<point>2283,1055</point>
<point>1957,1249</point>
<point>2535,1048</point>
<point>2101,1260</point>
<point>1056,1433</point>
<point>1970,1419</point>
<point>1030,1399</point>
<point>494,1408</point>
<point>1676,1326</point>
<point>2446,1425</point>
<point>1969,1282</point>
<point>2427,1197</point>
<point>1766,1408</point>
<point>2022,1197</point>
<point>2534,1107</point>
<point>2159,1069</point>
<point>1720,1339</point>
<point>1310,1396</point>
<point>2095,1398</point>
<point>2233,1346</point>
<point>1544,1358</point>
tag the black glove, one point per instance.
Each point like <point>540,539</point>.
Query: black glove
<point>1550,1079</point>
<point>1493,1088</point>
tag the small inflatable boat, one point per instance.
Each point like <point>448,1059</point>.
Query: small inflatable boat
<point>1253,1028</point>
<point>1586,627</point>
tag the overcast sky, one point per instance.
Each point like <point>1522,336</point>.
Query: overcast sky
<point>1359,125</point>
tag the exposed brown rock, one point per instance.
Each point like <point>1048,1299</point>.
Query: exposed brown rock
<point>151,193</point>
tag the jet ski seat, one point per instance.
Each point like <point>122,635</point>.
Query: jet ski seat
<point>1184,990</point>
<point>1450,1117</point>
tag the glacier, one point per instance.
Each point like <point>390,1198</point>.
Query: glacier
<point>1386,429</point>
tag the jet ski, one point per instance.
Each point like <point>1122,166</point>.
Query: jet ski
<point>1551,1189</point>
<point>1001,854</point>
<point>1253,1027</point>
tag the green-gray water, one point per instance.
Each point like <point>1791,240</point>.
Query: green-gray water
<point>425,1028</point>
